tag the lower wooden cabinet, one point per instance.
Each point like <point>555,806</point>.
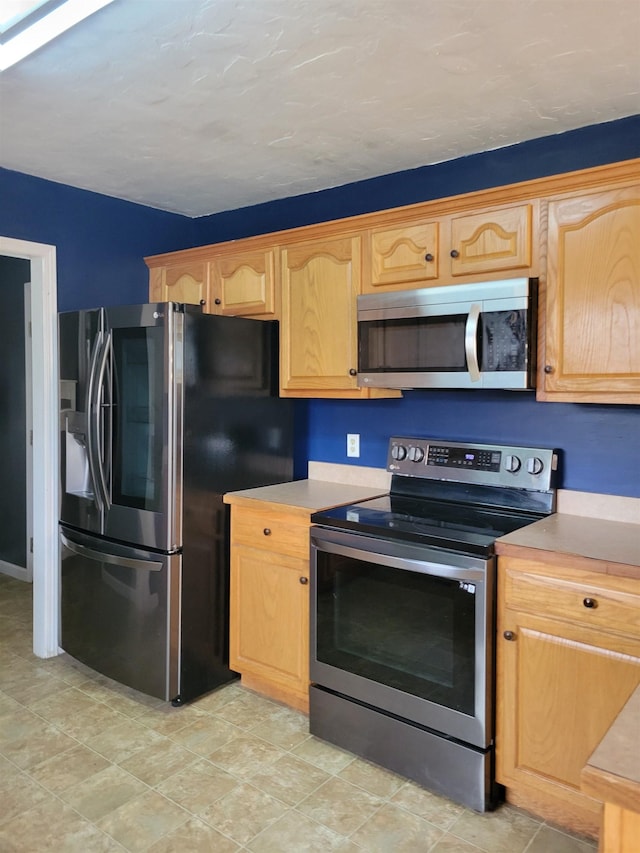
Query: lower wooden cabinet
<point>269,608</point>
<point>568,659</point>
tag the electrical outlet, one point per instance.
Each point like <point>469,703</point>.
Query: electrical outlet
<point>353,444</point>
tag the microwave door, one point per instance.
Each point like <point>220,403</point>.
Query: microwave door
<point>142,437</point>
<point>433,348</point>
<point>81,342</point>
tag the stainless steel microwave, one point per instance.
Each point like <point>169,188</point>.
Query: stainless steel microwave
<point>480,335</point>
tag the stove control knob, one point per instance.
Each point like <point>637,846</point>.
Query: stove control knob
<point>398,452</point>
<point>534,465</point>
<point>512,463</point>
<point>416,454</point>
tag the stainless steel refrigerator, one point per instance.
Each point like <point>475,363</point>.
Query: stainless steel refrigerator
<point>163,409</point>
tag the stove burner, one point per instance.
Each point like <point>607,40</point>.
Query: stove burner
<point>437,500</point>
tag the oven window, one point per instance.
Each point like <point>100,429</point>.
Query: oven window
<point>427,344</point>
<point>403,629</point>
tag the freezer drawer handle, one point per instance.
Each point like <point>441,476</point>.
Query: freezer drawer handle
<point>101,556</point>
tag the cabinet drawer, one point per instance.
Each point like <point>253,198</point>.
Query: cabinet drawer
<point>270,530</point>
<point>586,601</point>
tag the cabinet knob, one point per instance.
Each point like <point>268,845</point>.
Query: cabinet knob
<point>509,635</point>
<point>218,301</point>
<point>454,253</point>
<point>353,372</point>
<point>267,531</point>
<point>591,603</point>
<point>304,581</point>
<point>428,257</point>
<point>548,368</point>
<point>203,302</point>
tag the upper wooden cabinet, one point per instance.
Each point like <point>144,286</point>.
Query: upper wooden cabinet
<point>491,241</point>
<point>402,257</point>
<point>318,342</point>
<point>592,337</point>
<point>243,284</point>
<point>577,233</point>
<point>180,282</point>
<point>429,253</point>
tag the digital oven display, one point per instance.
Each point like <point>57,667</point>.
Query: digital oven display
<point>471,458</point>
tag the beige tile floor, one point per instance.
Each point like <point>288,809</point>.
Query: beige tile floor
<point>88,765</point>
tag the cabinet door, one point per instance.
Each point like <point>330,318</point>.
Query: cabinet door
<point>568,658</point>
<point>491,241</point>
<point>188,282</point>
<point>592,335</point>
<point>269,618</point>
<point>244,284</point>
<point>321,280</point>
<point>402,256</point>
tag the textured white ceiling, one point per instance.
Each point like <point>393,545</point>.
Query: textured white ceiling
<point>199,106</point>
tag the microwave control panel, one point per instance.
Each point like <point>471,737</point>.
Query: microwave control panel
<point>483,464</point>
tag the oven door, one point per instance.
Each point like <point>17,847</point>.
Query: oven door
<point>405,629</point>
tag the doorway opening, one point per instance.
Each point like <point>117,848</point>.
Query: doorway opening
<point>44,453</point>
<point>15,423</point>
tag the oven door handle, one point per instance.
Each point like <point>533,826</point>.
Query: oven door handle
<point>423,567</point>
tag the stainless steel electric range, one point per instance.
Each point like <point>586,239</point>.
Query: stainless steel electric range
<point>403,610</point>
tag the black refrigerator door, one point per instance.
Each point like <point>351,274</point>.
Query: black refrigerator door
<point>143,425</point>
<point>237,434</point>
<point>81,341</point>
<point>120,612</point>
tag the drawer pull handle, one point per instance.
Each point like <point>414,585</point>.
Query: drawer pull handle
<point>304,581</point>
<point>267,531</point>
<point>509,635</point>
<point>428,257</point>
<point>590,602</point>
<point>454,253</point>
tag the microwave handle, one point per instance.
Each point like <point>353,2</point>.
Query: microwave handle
<point>471,342</point>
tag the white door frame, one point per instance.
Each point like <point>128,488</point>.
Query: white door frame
<point>46,573</point>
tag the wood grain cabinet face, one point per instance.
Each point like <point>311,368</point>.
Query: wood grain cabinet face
<point>429,254</point>
<point>407,256</point>
<point>244,284</point>
<point>269,603</point>
<point>592,334</point>
<point>320,283</point>
<point>491,241</point>
<point>571,662</point>
<point>187,282</point>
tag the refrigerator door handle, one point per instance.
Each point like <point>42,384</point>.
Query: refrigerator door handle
<point>92,431</point>
<point>112,559</point>
<point>102,412</point>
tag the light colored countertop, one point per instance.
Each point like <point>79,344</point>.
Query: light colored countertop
<point>305,496</point>
<point>578,541</point>
<point>612,773</point>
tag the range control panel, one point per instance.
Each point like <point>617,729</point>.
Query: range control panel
<point>485,464</point>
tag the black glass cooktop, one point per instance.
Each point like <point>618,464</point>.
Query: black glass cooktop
<point>457,527</point>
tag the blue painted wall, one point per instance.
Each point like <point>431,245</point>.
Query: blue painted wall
<point>551,155</point>
<point>600,444</point>
<point>101,243</point>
